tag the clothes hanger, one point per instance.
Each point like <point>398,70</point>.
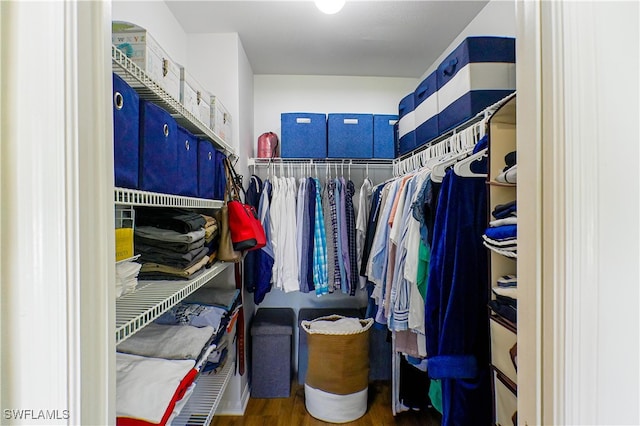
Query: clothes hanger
<point>463,167</point>
<point>438,170</point>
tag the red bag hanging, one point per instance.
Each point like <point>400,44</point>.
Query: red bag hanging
<point>247,232</point>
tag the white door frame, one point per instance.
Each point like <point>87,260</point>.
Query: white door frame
<point>578,192</point>
<point>56,221</point>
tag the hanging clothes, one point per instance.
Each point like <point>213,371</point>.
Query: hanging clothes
<point>251,271</point>
<point>350,218</point>
<point>329,239</point>
<point>364,204</point>
<point>265,254</point>
<point>332,191</point>
<point>307,285</point>
<point>320,277</point>
<point>283,224</point>
<point>457,296</point>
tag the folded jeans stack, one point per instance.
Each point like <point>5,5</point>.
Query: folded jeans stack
<point>172,243</point>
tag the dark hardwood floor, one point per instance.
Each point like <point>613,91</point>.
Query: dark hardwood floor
<point>291,411</point>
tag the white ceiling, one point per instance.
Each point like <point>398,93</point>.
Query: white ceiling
<point>366,38</point>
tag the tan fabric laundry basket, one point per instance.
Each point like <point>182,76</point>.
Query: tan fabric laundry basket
<point>337,381</point>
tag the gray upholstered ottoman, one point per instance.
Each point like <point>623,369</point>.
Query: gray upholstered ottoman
<point>307,314</point>
<point>271,345</point>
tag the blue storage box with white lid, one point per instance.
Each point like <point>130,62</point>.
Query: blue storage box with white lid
<point>350,135</point>
<point>406,124</point>
<point>126,133</point>
<point>187,172</point>
<point>384,135</point>
<point>477,74</point>
<point>158,149</point>
<point>425,99</point>
<point>303,135</point>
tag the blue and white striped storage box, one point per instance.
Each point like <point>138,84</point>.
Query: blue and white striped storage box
<point>426,109</point>
<point>406,125</point>
<point>478,73</point>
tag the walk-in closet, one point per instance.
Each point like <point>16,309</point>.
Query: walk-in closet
<point>269,212</point>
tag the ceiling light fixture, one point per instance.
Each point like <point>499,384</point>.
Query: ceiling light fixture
<point>329,6</point>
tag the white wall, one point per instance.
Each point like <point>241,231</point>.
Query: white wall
<point>497,18</point>
<point>220,63</point>
<point>155,17</point>
<point>275,94</point>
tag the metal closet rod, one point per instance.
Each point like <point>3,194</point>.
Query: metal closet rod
<point>320,162</point>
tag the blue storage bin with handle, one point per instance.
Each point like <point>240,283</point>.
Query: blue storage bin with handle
<point>187,171</point>
<point>206,169</point>
<point>158,149</point>
<point>126,133</point>
<point>350,135</point>
<point>303,135</point>
<point>383,135</point>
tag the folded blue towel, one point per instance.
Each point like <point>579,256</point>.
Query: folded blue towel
<point>503,232</point>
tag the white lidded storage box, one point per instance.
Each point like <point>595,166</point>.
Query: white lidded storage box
<point>194,97</point>
<point>145,52</point>
<point>221,120</point>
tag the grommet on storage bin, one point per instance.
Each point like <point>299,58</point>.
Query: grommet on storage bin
<point>118,101</point>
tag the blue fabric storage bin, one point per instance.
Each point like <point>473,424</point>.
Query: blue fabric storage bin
<point>126,133</point>
<point>220,178</point>
<point>477,74</point>
<point>406,124</point>
<point>187,171</point>
<point>426,109</point>
<point>206,170</point>
<point>384,135</point>
<point>158,149</point>
<point>304,135</point>
<point>350,135</point>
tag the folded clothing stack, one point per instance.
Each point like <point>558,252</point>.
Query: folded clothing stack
<point>510,172</point>
<point>501,235</point>
<point>155,372</point>
<point>150,390</point>
<point>505,303</point>
<point>171,243</point>
<point>126,276</point>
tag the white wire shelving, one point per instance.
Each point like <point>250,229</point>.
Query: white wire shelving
<point>134,197</point>
<point>202,405</point>
<point>149,90</point>
<point>135,310</point>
